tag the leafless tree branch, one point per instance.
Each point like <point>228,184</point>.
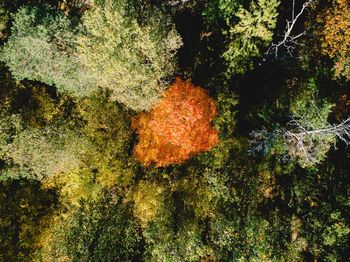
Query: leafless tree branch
<point>306,144</point>
<point>290,41</point>
<point>303,143</point>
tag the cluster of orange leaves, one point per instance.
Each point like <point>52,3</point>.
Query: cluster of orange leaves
<point>178,127</point>
<point>335,35</point>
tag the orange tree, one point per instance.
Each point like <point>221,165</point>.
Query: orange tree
<point>178,127</point>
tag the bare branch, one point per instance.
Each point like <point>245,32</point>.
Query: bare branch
<point>306,145</point>
<point>289,41</point>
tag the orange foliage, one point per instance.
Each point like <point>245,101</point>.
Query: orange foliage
<point>178,127</point>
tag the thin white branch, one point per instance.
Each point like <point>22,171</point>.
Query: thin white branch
<point>289,41</point>
<point>307,144</point>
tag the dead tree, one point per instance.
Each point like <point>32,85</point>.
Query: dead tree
<point>307,146</point>
<point>289,40</point>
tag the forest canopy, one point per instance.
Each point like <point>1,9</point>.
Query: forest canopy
<point>174,130</point>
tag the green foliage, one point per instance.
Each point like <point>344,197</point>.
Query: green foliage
<point>216,10</point>
<point>97,231</point>
<point>239,229</point>
<point>225,121</point>
<point>337,232</point>
<point>106,123</point>
<point>250,35</point>
<point>9,125</point>
<point>22,213</point>
<point>304,138</point>
<point>200,194</point>
<point>4,18</point>
<point>148,198</point>
<point>36,154</point>
<point>47,46</point>
<point>95,203</point>
<point>311,111</point>
<point>311,114</point>
<point>140,55</point>
<point>107,126</point>
<point>321,201</point>
<point>251,241</point>
<point>42,48</point>
<point>167,238</point>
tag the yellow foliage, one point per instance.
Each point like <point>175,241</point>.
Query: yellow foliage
<point>81,184</point>
<point>197,195</point>
<point>148,198</point>
<point>74,186</point>
<point>45,239</point>
<point>335,36</point>
<point>44,107</point>
<point>116,173</point>
<point>267,183</point>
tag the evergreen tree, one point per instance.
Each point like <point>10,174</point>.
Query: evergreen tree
<point>252,32</point>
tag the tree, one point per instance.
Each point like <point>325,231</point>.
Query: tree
<point>311,146</point>
<point>4,18</point>
<point>133,59</point>
<point>48,46</point>
<point>107,125</point>
<point>253,31</point>
<point>178,127</point>
<point>335,36</point>
<point>308,136</point>
<point>36,154</point>
<point>217,10</point>
<point>290,40</point>
<point>148,198</point>
<point>76,7</point>
<point>25,207</point>
<point>174,235</point>
<point>9,126</point>
<point>102,230</point>
<point>42,48</point>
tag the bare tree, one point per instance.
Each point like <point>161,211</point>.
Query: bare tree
<point>289,40</point>
<point>307,146</point>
